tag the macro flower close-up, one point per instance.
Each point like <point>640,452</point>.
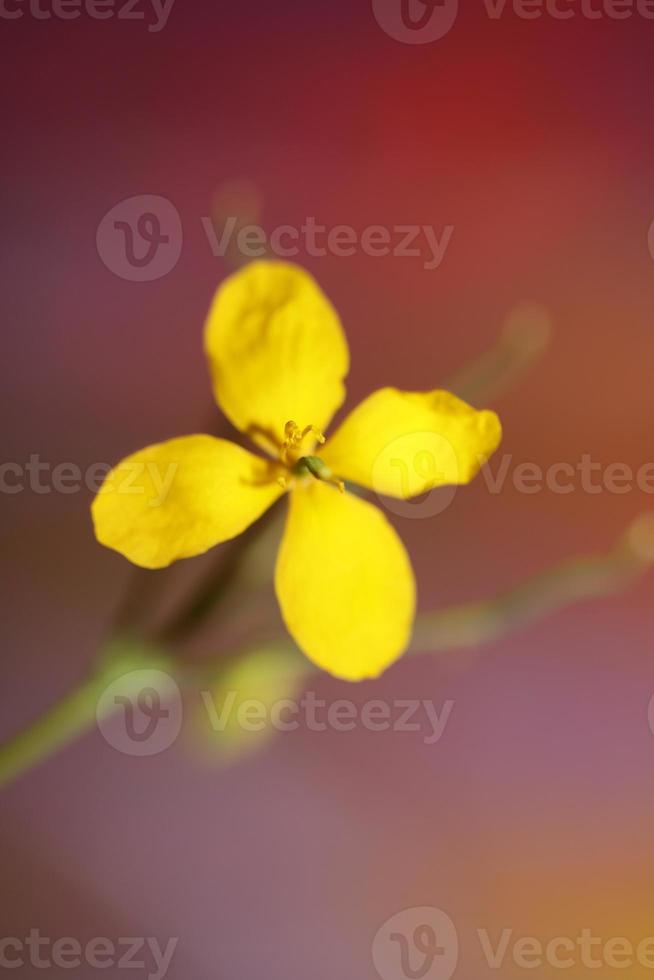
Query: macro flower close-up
<point>277,354</point>
<point>327,490</point>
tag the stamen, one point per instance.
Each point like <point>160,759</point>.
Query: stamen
<point>294,437</point>
<point>317,433</point>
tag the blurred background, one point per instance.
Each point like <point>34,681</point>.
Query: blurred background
<point>533,140</point>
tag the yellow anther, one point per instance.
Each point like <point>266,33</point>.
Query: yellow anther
<point>295,437</point>
<point>317,433</point>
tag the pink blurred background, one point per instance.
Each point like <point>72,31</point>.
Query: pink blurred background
<point>533,138</point>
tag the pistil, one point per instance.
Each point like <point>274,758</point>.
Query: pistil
<point>315,466</point>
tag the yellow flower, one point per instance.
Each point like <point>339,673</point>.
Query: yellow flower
<point>278,358</point>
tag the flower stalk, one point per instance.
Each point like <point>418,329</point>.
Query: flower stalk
<point>468,625</point>
<point>77,711</point>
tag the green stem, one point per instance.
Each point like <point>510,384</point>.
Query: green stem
<point>468,625</point>
<point>523,340</point>
<point>77,711</point>
<point>72,716</point>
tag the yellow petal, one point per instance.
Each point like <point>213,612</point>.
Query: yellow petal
<point>344,583</point>
<point>180,498</point>
<point>403,443</point>
<point>276,350</point>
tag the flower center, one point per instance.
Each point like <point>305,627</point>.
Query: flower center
<point>294,436</point>
<point>299,465</point>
